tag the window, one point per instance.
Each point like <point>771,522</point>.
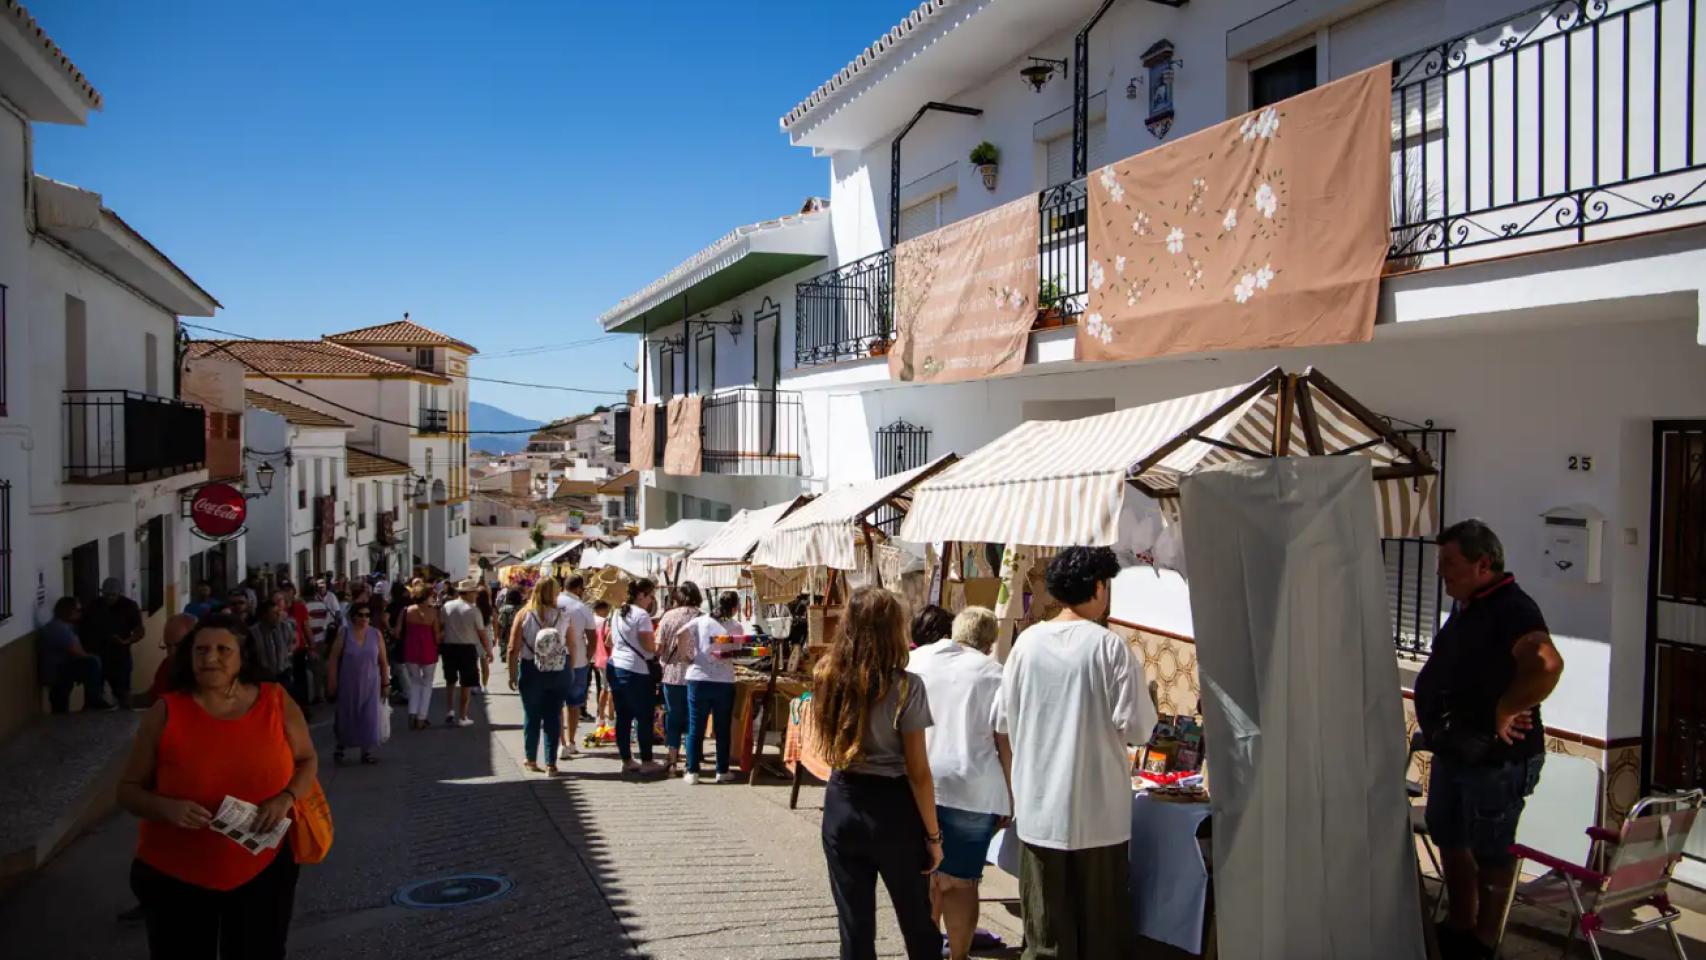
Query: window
<point>153,566</point>
<point>3,357</point>
<point>424,359</point>
<point>689,508</point>
<point>1060,153</point>
<point>5,549</point>
<point>76,344</point>
<point>361,506</point>
<point>671,507</point>
<point>926,215</point>
<point>630,508</point>
<point>1285,77</point>
<point>319,476</point>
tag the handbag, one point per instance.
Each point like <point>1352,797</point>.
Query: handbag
<point>311,826</point>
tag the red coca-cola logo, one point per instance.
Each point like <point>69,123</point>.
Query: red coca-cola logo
<point>219,509</point>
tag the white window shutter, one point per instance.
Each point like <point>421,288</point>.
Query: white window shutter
<point>1098,137</point>
<point>921,218</point>
<point>1059,160</point>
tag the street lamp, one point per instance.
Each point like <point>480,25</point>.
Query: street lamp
<point>264,477</point>
<point>420,488</point>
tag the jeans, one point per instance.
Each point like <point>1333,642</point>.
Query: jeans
<point>115,670</point>
<point>1478,807</point>
<point>86,672</point>
<point>674,714</point>
<point>635,697</point>
<point>710,700</point>
<point>871,829</point>
<point>187,922</point>
<point>542,697</point>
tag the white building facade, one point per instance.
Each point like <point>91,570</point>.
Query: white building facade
<point>1539,329</point>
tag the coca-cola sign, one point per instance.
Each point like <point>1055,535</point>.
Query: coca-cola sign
<point>218,510</point>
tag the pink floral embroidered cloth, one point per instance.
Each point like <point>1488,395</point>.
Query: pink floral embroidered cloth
<point>1268,230</point>
<point>642,437</point>
<point>965,297</point>
<point>682,442</point>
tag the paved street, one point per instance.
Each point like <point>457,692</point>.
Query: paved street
<point>603,867</point>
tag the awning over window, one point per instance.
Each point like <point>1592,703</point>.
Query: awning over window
<point>717,564</point>
<point>822,533</point>
<point>1064,483</point>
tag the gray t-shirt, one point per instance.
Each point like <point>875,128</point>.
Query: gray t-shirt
<point>882,755</point>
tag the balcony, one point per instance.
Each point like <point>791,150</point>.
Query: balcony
<point>1568,123</point>
<point>434,421</point>
<point>845,314</point>
<point>121,437</point>
<point>753,433</point>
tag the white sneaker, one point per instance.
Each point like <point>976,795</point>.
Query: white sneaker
<point>729,777</point>
<point>465,722</point>
<point>691,779</point>
<point>570,749</point>
<point>566,753</point>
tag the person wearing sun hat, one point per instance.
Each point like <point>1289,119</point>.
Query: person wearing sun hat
<point>466,644</point>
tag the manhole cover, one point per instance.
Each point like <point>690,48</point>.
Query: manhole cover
<point>457,891</point>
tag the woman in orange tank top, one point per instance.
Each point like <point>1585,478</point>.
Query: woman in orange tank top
<point>221,731</point>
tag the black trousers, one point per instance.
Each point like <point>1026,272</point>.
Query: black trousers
<point>1077,903</point>
<point>871,829</point>
<point>116,670</point>
<point>187,922</point>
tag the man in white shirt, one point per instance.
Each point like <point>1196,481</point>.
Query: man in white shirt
<point>580,632</point>
<point>1073,696</point>
<point>321,618</point>
<point>465,646</point>
<point>969,762</point>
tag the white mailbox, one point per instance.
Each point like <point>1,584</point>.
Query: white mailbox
<point>1574,536</point>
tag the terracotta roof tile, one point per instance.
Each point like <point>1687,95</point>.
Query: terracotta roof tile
<point>304,356</point>
<point>36,36</point>
<point>618,483</point>
<point>399,332</point>
<point>293,412</point>
<point>360,463</point>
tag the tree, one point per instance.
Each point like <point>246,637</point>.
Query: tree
<point>537,535</point>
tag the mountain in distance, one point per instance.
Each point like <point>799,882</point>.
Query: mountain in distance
<point>485,417</point>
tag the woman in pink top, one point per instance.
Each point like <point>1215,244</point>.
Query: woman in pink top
<point>601,660</point>
<point>422,632</point>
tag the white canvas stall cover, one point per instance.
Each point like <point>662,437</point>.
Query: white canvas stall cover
<point>1302,712</point>
<point>717,565</point>
<point>1063,483</point>
<point>555,554</point>
<point>635,563</point>
<point>1058,483</point>
<point>822,533</point>
<point>680,535</point>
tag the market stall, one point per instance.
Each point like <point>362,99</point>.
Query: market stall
<point>1046,485</point>
<point>818,552</point>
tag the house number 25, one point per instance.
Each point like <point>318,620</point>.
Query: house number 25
<point>1582,464</point>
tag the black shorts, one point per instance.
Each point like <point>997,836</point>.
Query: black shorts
<point>1479,807</point>
<point>461,664</point>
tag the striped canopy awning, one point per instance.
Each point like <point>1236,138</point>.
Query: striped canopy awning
<point>1064,483</point>
<point>822,533</point>
<point>717,565</point>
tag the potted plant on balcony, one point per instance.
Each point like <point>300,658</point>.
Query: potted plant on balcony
<point>986,159</point>
<point>1049,299</point>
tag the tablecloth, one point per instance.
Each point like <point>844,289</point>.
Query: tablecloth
<point>1169,881</point>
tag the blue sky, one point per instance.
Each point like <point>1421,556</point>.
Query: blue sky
<point>503,171</point>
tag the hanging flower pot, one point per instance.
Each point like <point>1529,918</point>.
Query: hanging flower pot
<point>985,157</point>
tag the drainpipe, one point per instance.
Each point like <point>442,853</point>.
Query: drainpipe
<point>1081,95</point>
<point>894,159</point>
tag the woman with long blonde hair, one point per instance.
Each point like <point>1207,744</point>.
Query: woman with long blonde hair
<point>538,667</point>
<point>879,813</point>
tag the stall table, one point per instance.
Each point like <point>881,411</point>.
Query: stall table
<point>1169,871</point>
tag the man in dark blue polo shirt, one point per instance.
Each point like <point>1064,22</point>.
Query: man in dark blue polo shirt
<point>1478,704</point>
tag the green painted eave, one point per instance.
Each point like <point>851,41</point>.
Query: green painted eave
<point>744,275</point>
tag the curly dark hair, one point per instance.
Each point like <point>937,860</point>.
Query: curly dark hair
<point>1074,573</point>
<point>930,624</point>
<point>182,676</point>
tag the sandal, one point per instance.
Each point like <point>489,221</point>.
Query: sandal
<point>530,766</point>
<point>369,759</point>
<point>551,772</point>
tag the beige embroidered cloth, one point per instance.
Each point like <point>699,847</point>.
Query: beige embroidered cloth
<point>1268,230</point>
<point>642,437</point>
<point>681,444</point>
<point>965,297</point>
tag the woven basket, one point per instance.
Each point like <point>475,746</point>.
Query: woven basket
<point>609,585</point>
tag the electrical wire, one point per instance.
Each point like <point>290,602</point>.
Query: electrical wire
<point>329,350</point>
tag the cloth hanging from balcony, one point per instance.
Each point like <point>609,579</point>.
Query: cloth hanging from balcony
<point>965,297</point>
<point>718,564</point>
<point>1064,483</point>
<point>681,443</point>
<point>642,437</point>
<point>822,533</point>
<point>1265,231</point>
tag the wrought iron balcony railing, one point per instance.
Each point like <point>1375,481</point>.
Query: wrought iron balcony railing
<point>434,421</point>
<point>754,432</point>
<point>125,437</point>
<point>1062,267</point>
<point>846,313</point>
<point>1555,126</point>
